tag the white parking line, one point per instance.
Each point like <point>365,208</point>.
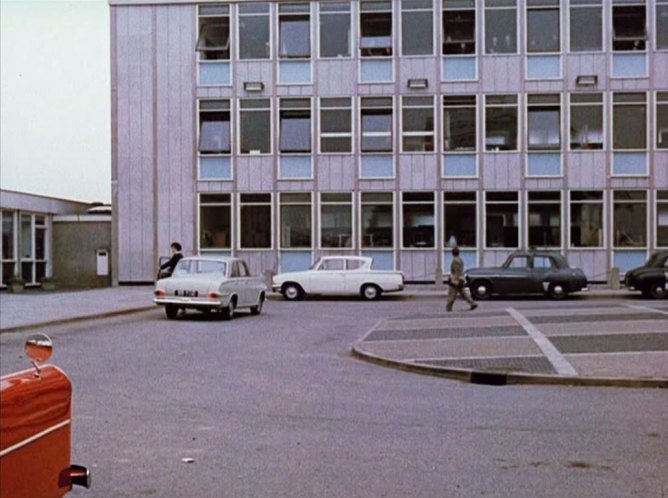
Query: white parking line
<point>646,308</point>
<point>560,364</point>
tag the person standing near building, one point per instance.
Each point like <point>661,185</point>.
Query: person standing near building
<point>166,269</point>
<point>457,282</point>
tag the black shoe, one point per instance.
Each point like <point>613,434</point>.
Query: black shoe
<point>473,306</point>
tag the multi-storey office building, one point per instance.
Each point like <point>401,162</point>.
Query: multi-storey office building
<point>280,131</point>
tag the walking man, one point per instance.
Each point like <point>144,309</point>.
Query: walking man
<point>457,282</point>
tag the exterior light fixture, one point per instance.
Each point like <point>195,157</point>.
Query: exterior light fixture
<point>418,83</point>
<point>586,80</point>
<point>253,86</point>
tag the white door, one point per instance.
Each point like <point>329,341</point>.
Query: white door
<point>328,278</point>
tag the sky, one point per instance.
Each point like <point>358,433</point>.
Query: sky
<point>55,118</point>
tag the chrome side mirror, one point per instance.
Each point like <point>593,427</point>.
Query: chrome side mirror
<point>38,348</point>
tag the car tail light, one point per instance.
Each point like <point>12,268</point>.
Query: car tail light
<point>214,295</point>
<point>160,293</point>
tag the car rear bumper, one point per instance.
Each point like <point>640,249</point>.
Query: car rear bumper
<point>202,302</point>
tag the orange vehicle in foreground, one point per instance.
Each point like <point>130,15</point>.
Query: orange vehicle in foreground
<point>35,429</point>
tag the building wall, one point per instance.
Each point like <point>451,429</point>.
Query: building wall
<point>76,243</point>
<point>155,180</point>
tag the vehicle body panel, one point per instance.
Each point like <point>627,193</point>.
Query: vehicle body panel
<point>354,272</point>
<point>530,272</point>
<point>35,433</point>
<point>651,278</point>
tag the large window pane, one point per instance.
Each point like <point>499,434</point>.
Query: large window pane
<point>662,120</point>
<point>418,220</point>
<point>26,236</point>
<point>215,221</point>
<point>544,212</point>
<point>586,127</point>
<point>254,31</point>
<point>501,218</point>
<point>586,219</point>
<point>214,131</point>
<point>255,127</point>
<point>375,28</point>
<point>628,28</point>
<point>661,29</point>
<point>460,219</point>
<point>295,130</point>
<point>501,123</point>
<point>630,121</point>
<point>459,123</point>
<point>543,30</point>
<point>418,124</point>
<point>417,33</point>
<point>662,218</point>
<point>336,220</point>
<point>335,37</point>
<point>377,220</point>
<point>7,235</point>
<point>296,221</point>
<point>255,221</point>
<point>377,124</point>
<point>458,27</point>
<point>544,122</point>
<point>335,125</point>
<point>629,218</point>
<point>213,42</point>
<point>586,28</point>
<point>500,27</point>
<point>294,31</point>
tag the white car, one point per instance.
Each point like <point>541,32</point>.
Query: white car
<point>339,275</point>
<point>209,284</point>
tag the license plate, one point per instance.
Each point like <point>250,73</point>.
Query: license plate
<point>188,293</point>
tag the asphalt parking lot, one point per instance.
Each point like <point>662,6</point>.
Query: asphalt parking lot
<point>591,340</point>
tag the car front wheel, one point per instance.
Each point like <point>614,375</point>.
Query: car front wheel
<point>657,290</point>
<point>171,311</point>
<point>371,292</point>
<point>557,291</point>
<point>481,289</point>
<point>292,292</point>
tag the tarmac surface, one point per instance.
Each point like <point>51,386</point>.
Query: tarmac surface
<point>611,338</point>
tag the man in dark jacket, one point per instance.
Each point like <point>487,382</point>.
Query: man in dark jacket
<point>457,282</point>
<point>167,268</point>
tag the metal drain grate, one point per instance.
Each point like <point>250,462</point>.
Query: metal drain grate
<point>598,318</point>
<point>526,364</point>
<point>455,314</point>
<point>449,333</point>
<point>612,343</point>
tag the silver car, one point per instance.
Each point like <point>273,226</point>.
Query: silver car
<point>207,284</point>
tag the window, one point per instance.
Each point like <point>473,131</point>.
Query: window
<point>629,121</point>
<point>375,28</point>
<point>500,26</point>
<point>501,219</point>
<point>255,126</point>
<point>418,220</point>
<point>459,123</point>
<point>336,134</point>
<point>255,221</point>
<point>8,247</point>
<point>417,27</point>
<point>586,218</point>
<point>294,30</point>
<point>662,120</point>
<point>377,220</point>
<point>417,117</point>
<point>332,265</point>
<point>662,218</point>
<point>629,218</point>
<point>460,219</point>
<point>543,27</point>
<point>518,262</point>
<point>335,32</point>
<point>213,42</point>
<point>629,32</point>
<point>501,122</point>
<point>458,27</point>
<point>296,226</point>
<point>586,127</point>
<point>661,29</point>
<point>215,221</point>
<point>295,126</point>
<point>214,127</point>
<point>377,124</point>
<point>543,122</point>
<point>543,262</point>
<point>336,220</point>
<point>254,31</point>
<point>544,210</point>
<point>586,26</point>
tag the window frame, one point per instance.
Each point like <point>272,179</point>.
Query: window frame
<point>443,10</point>
<point>391,203</point>
<point>351,205</point>
<point>408,134</point>
<point>352,133</point>
<point>443,226</point>
<point>231,137</point>
<point>604,217</point>
<point>432,203</point>
<point>272,228</point>
<point>476,114</point>
<point>434,37</point>
<point>569,13</point>
<point>660,100</point>
<point>311,205</point>
<point>611,17</point>
<point>9,214</point>
<point>518,31</point>
<point>529,203</point>
<point>239,15</point>
<point>393,131</point>
<point>520,221</point>
<point>280,122</point>
<point>518,121</point>
<point>239,123</point>
<point>614,202</point>
<point>604,113</point>
<point>656,47</point>
<point>560,49</point>
<point>279,17</point>
<point>559,106</point>
<point>360,44</point>
<point>200,204</point>
<point>230,49</point>
<point>351,40</point>
<point>657,201</point>
<point>647,139</point>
